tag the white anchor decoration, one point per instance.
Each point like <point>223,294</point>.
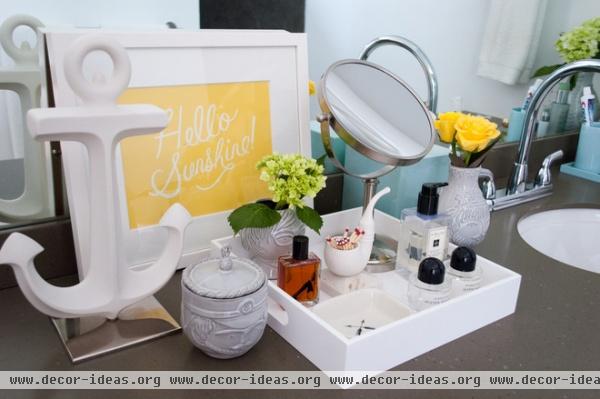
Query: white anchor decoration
<point>24,79</point>
<point>109,285</point>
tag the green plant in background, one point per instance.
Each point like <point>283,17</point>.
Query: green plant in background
<point>291,178</point>
<point>579,43</point>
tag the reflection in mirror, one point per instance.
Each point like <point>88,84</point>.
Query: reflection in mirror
<point>11,145</point>
<point>371,107</point>
<point>26,192</point>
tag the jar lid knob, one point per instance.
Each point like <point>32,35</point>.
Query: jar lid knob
<point>226,263</point>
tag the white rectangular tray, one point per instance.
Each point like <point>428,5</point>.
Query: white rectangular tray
<point>395,343</point>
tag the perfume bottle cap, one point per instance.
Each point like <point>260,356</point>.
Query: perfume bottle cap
<point>300,248</point>
<point>431,271</point>
<point>428,198</point>
<point>463,259</point>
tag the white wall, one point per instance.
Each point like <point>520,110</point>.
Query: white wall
<point>107,13</point>
<point>449,32</point>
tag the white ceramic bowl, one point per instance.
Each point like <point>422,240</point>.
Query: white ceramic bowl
<point>344,263</point>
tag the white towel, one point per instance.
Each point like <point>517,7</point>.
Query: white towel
<point>511,40</point>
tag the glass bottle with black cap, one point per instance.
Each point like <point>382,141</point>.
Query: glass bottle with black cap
<point>463,270</point>
<point>299,274</point>
<point>424,232</point>
<point>429,286</point>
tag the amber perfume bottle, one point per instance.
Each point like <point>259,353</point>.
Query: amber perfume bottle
<point>299,274</point>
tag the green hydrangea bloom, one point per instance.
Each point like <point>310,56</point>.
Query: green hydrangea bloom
<point>593,23</point>
<point>291,177</point>
<point>581,42</point>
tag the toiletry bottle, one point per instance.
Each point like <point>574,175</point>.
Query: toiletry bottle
<point>428,287</point>
<point>424,232</point>
<point>559,109</point>
<point>532,89</point>
<point>463,270</point>
<point>299,274</point>
<point>588,105</point>
<point>543,123</point>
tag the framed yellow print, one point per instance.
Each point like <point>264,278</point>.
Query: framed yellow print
<point>231,96</point>
<point>216,135</point>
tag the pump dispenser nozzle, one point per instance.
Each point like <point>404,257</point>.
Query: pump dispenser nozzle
<point>428,198</point>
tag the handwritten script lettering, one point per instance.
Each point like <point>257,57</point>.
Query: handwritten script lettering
<point>206,156</point>
<point>209,126</point>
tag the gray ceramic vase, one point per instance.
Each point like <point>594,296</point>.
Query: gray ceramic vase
<point>266,245</point>
<point>224,305</point>
<point>463,201</point>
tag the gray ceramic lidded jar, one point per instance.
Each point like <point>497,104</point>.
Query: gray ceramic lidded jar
<point>224,305</point>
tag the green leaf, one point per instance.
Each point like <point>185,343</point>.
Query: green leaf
<point>321,160</point>
<point>310,217</point>
<point>454,145</point>
<point>478,157</point>
<point>467,157</point>
<point>253,215</point>
<point>546,70</point>
<point>573,81</point>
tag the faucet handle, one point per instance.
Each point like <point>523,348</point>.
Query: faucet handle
<point>544,177</point>
<point>487,186</point>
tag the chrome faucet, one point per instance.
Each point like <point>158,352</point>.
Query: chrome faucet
<point>517,190</point>
<point>517,181</point>
<point>432,85</point>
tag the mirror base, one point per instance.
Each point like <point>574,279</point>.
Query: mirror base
<point>383,255</point>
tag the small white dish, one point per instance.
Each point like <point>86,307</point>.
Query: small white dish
<point>361,312</point>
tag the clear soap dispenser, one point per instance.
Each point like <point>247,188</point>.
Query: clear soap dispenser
<point>424,232</point>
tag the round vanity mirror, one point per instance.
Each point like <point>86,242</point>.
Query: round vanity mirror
<point>375,113</point>
<point>380,116</point>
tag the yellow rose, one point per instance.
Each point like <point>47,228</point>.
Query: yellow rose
<point>312,88</point>
<point>445,126</point>
<point>474,133</point>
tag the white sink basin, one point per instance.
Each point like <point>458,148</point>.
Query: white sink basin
<point>571,236</point>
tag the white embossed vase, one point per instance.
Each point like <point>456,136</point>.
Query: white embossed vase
<point>463,201</point>
<point>266,245</point>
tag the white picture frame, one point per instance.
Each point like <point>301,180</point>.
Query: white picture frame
<point>163,58</point>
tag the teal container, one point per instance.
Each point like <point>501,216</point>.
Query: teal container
<point>405,181</point>
<point>317,149</point>
<point>515,125</point>
<point>588,148</point>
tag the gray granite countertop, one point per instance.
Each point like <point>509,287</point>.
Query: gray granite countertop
<point>555,327</point>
